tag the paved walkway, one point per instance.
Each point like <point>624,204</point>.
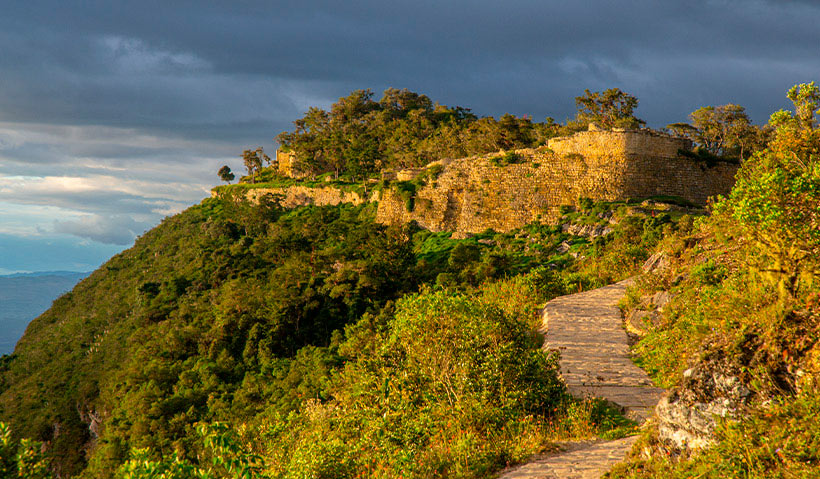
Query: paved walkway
<point>587,330</point>
<point>577,460</point>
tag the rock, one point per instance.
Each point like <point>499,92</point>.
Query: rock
<point>687,416</point>
<point>459,235</point>
<point>563,247</point>
<point>655,205</point>
<point>639,322</point>
<point>590,231</point>
<point>658,262</point>
<point>94,419</point>
<point>660,300</point>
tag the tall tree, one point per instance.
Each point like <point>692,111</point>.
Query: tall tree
<point>225,174</point>
<point>253,161</point>
<point>806,99</point>
<point>721,130</point>
<point>611,108</point>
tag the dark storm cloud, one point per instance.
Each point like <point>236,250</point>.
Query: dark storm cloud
<point>244,69</point>
<point>110,109</point>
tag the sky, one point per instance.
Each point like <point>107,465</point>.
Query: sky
<point>114,115</point>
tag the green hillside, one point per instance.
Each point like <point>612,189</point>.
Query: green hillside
<point>237,313</point>
<point>245,340</point>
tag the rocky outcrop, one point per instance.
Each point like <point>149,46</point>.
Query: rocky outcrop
<point>648,314</point>
<point>590,231</point>
<point>295,196</point>
<point>658,262</point>
<point>687,415</point>
<point>94,419</point>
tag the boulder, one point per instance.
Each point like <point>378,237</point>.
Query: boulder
<point>660,299</point>
<point>639,322</point>
<point>563,247</point>
<point>687,415</point>
<point>658,262</point>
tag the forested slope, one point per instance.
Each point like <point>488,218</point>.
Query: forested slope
<point>231,312</point>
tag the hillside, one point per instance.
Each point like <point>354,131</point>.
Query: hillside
<point>731,322</point>
<point>244,338</point>
<point>23,297</point>
<point>237,313</point>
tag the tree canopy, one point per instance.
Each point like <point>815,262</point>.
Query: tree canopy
<point>724,130</point>
<point>253,160</point>
<point>360,136</point>
<point>611,108</point>
<point>225,174</point>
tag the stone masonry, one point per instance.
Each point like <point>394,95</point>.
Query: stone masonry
<point>470,195</point>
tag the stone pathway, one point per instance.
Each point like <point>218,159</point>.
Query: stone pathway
<point>577,460</point>
<point>587,330</point>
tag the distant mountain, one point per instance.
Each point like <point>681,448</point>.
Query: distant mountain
<point>37,274</point>
<point>24,296</point>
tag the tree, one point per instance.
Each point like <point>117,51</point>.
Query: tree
<point>721,130</point>
<point>776,203</point>
<point>225,174</point>
<point>253,161</point>
<point>806,99</point>
<point>683,129</point>
<point>611,108</point>
<point>360,136</point>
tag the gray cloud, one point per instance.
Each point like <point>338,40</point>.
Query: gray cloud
<point>126,109</point>
<point>242,70</point>
<point>116,229</point>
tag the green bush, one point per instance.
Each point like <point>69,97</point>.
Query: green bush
<point>407,191</point>
<point>437,390</point>
<point>21,459</point>
<point>507,158</point>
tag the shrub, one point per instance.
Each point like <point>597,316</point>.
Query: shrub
<point>21,459</point>
<point>447,387</point>
<point>508,158</point>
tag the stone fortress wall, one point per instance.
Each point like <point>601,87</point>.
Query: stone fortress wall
<point>470,195</point>
<point>295,196</point>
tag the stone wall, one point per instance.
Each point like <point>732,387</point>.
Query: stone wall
<point>618,143</point>
<point>286,163</point>
<point>294,196</point>
<point>470,195</point>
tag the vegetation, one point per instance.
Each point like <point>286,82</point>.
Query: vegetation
<point>253,161</point>
<point>225,174</point>
<point>21,459</point>
<point>242,340</point>
<point>287,321</point>
<point>745,290</point>
<point>722,132</point>
<point>360,136</point>
<point>609,109</point>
